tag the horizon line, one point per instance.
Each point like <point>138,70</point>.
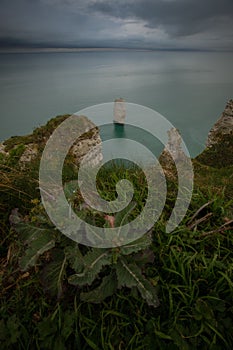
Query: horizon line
<point>93,48</point>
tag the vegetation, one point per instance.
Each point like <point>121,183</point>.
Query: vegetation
<point>164,291</point>
<point>38,136</point>
<point>220,154</point>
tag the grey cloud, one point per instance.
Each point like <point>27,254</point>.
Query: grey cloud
<point>75,23</point>
<point>48,23</point>
<point>176,17</point>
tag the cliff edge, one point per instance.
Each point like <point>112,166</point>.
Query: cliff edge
<point>223,127</point>
<point>21,151</point>
<point>219,145</point>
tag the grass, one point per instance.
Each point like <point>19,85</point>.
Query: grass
<point>192,272</point>
<point>220,154</point>
<point>38,136</point>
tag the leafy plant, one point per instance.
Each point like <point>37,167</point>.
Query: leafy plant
<point>97,272</point>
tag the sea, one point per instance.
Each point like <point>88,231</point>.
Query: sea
<point>189,89</point>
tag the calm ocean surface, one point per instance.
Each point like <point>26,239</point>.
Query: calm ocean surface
<point>190,89</point>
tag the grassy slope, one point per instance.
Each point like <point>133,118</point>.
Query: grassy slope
<point>192,271</point>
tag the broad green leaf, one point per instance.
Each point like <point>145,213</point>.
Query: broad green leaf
<point>93,261</point>
<point>37,247</point>
<point>28,232</point>
<point>75,257</point>
<point>53,273</point>
<point>93,236</point>
<point>125,276</point>
<point>135,246</point>
<point>129,275</point>
<point>104,290</point>
<point>38,240</point>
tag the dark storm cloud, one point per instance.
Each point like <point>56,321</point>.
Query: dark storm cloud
<point>177,17</point>
<point>122,23</point>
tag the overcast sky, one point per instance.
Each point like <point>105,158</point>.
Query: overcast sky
<point>183,24</point>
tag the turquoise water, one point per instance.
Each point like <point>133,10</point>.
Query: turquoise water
<point>190,89</point>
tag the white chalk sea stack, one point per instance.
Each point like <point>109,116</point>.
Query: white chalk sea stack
<point>119,111</point>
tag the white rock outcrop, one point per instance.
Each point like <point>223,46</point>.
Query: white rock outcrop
<point>88,145</point>
<point>173,150</point>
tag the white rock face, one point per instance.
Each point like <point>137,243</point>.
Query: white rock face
<point>173,147</point>
<point>88,146</point>
<point>223,126</point>
<point>119,111</point>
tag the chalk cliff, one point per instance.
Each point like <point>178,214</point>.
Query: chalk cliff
<point>219,150</point>
<point>223,127</point>
<point>25,149</point>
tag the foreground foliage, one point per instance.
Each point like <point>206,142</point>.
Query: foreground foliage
<point>165,291</point>
<point>117,265</point>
